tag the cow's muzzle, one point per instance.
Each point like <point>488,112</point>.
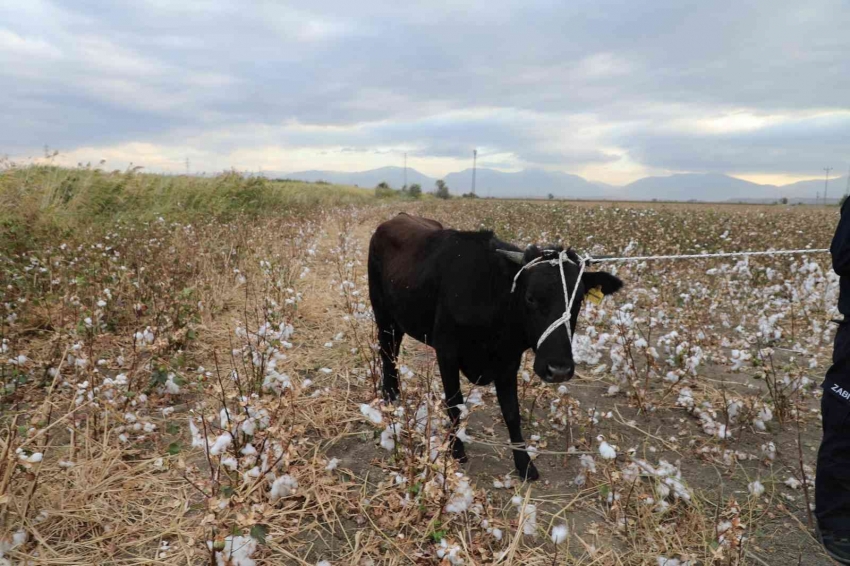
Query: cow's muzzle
<point>559,373</point>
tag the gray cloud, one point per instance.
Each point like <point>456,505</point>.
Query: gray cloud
<point>549,83</point>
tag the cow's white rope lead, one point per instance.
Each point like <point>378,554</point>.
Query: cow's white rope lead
<point>704,256</point>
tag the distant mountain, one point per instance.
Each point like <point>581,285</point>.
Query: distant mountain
<point>539,183</point>
<point>394,176</point>
<point>811,188</point>
<point>530,183</point>
<point>697,186</point>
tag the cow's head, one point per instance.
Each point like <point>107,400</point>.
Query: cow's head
<point>540,297</point>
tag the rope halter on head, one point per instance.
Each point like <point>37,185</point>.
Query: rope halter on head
<point>568,300</point>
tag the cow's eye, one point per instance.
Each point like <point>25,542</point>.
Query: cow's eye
<point>531,300</point>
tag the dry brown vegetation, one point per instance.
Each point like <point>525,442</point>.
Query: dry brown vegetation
<point>201,388</point>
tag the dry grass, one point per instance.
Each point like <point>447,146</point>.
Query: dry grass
<point>206,309</point>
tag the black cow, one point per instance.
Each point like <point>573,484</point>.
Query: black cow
<point>452,290</point>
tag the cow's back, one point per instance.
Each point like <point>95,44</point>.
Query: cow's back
<point>401,291</point>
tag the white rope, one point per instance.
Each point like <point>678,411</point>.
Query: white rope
<point>568,300</point>
<point>704,256</point>
<point>587,260</point>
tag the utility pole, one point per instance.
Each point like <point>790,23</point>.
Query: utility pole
<point>826,182</point>
<point>405,169</point>
<point>187,166</point>
<point>474,161</point>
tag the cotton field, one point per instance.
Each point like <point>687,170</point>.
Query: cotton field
<point>207,392</point>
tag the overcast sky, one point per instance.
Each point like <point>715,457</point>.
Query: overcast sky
<point>610,90</point>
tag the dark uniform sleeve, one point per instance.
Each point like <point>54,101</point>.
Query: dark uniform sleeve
<point>840,248</point>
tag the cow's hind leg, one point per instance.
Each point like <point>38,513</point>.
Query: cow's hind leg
<point>389,341</point>
<point>450,374</point>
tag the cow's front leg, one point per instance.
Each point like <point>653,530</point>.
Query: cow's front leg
<point>506,391</point>
<point>450,373</point>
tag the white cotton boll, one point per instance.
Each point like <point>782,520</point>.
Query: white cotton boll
<point>34,458</point>
<point>672,377</point>
<point>371,413</point>
<point>323,563</point>
<point>497,534</point>
<point>332,465</point>
<point>230,462</point>
<point>237,551</point>
<point>170,386</point>
<point>607,451</point>
<point>248,427</point>
<point>723,432</point>
<point>249,450</point>
<point>123,438</point>
<point>283,486</point>
<point>326,370</point>
<point>197,438</point>
<point>461,499</point>
<point>588,463</point>
<point>686,398</point>
<point>755,488</point>
<point>793,483</point>
<point>769,450</point>
<point>65,464</point>
<point>559,533</point>
<point>613,390</point>
<point>664,561</point>
<point>529,527</point>
<point>221,443</point>
<point>516,500</point>
<point>388,438</point>
<point>18,538</point>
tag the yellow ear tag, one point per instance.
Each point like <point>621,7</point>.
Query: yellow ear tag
<point>595,295</point>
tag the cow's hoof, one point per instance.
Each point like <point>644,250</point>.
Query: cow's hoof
<point>459,452</point>
<point>390,395</point>
<point>530,474</point>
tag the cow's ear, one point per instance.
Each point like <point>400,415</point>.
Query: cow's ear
<point>531,252</point>
<point>605,281</point>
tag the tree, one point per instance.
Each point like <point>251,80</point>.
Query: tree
<point>383,190</point>
<point>784,200</point>
<point>442,190</point>
<point>415,191</point>
<point>551,196</point>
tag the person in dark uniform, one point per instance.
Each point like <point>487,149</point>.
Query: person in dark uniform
<point>832,481</point>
